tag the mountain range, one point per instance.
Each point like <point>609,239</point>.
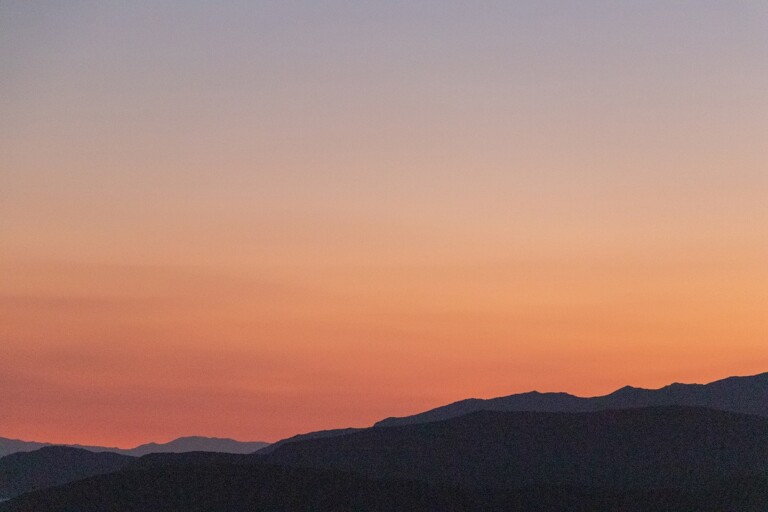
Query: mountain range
<point>616,449</point>
<point>679,448</point>
<point>180,445</point>
<point>748,395</point>
<point>656,459</point>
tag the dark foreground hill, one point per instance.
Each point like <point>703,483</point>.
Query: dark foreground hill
<point>619,449</point>
<point>748,395</point>
<point>232,488</point>
<point>54,465</point>
<point>256,487</point>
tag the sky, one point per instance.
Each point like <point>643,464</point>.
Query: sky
<point>251,219</point>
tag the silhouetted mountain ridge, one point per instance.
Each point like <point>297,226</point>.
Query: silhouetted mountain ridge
<point>558,452</point>
<point>9,446</point>
<point>320,434</point>
<point>748,395</point>
<point>659,459</point>
<point>53,465</point>
<point>655,447</point>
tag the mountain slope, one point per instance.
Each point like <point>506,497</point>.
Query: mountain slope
<point>9,446</point>
<point>616,449</point>
<point>748,395</point>
<point>320,434</point>
<point>53,465</point>
<point>234,488</point>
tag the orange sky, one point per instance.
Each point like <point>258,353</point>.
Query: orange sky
<point>272,218</point>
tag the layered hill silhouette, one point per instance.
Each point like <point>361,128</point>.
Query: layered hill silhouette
<point>635,460</point>
<point>180,445</point>
<point>50,466</point>
<point>38,466</point>
<point>748,395</point>
<point>9,446</point>
<point>611,453</point>
<point>653,447</point>
<point>53,465</point>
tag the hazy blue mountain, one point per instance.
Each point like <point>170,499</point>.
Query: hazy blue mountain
<point>9,446</point>
<point>748,395</point>
<point>180,445</point>
<point>197,444</point>
<point>22,472</point>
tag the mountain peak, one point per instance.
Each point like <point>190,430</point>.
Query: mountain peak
<point>626,390</point>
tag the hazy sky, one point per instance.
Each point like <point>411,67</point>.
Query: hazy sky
<point>252,218</point>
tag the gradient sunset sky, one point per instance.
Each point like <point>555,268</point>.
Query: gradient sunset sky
<point>252,219</point>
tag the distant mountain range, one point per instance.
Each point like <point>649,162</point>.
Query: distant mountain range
<point>658,459</point>
<point>679,448</point>
<point>748,395</point>
<point>9,446</point>
<point>197,444</point>
<point>180,445</point>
